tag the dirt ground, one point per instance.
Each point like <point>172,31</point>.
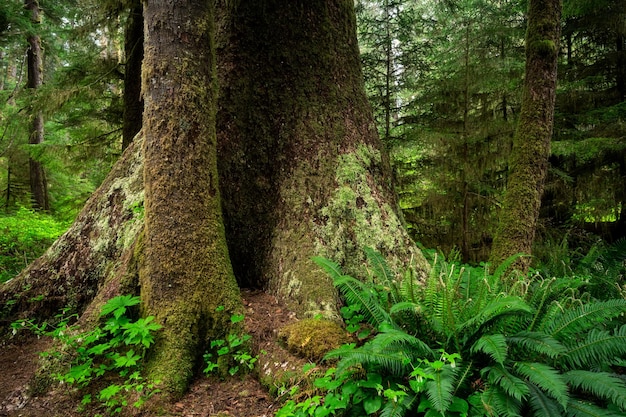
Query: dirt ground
<point>207,397</point>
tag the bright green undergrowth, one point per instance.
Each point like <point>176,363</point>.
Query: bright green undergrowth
<point>24,236</point>
<point>463,344</point>
<point>110,354</point>
<point>231,355</point>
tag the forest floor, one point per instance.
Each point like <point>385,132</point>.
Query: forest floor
<point>207,397</point>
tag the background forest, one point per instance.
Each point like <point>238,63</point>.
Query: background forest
<point>444,80</point>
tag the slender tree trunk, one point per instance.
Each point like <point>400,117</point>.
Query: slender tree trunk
<point>528,162</point>
<point>302,169</point>
<point>38,183</point>
<point>388,71</point>
<point>185,272</point>
<point>133,48</point>
<point>621,63</point>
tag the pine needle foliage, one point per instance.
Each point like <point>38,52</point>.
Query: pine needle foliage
<point>465,344</point>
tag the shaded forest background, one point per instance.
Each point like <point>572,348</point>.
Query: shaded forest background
<point>444,80</point>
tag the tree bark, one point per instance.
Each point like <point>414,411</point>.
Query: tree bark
<point>38,183</point>
<point>528,163</point>
<point>133,50</point>
<point>185,272</point>
<point>302,169</point>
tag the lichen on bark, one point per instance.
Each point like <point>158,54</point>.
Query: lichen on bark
<point>303,171</point>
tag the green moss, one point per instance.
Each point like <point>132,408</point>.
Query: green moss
<point>313,338</point>
<point>544,47</point>
<point>356,214</point>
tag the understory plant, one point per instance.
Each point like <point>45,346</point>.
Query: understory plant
<point>230,355</point>
<point>24,236</point>
<point>112,352</point>
<point>463,344</point>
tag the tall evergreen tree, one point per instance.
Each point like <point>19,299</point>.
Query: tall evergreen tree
<point>528,163</point>
<point>38,182</point>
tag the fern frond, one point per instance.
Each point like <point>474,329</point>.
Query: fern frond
<point>538,342</point>
<point>599,347</point>
<point>493,345</point>
<point>407,314</point>
<point>331,268</point>
<point>510,384</point>
<point>439,390</point>
<point>497,277</point>
<point>546,378</point>
<point>380,266</point>
<point>390,338</point>
<point>577,408</point>
<point>405,307</point>
<point>357,293</point>
<point>495,402</point>
<point>541,404</point>
<point>583,318</point>
<point>603,385</point>
<point>392,361</point>
<point>409,290</point>
<point>494,310</point>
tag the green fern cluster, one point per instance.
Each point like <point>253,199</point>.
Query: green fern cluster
<point>462,345</point>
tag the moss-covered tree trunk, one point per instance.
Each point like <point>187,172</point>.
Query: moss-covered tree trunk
<point>185,271</point>
<point>302,169</point>
<point>528,163</point>
<point>38,183</point>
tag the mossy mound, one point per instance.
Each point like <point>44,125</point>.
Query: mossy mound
<point>313,338</point>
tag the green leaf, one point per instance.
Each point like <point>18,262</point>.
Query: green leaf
<point>577,408</point>
<point>127,361</point>
<point>546,378</point>
<point>372,404</point>
<point>439,389</point>
<point>99,349</point>
<point>330,267</point>
<point>109,392</point>
<point>510,384</point>
<point>493,345</point>
<point>117,305</point>
<point>603,385</point>
<point>236,318</point>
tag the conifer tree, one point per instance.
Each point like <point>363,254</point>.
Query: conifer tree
<point>528,163</point>
<point>38,182</point>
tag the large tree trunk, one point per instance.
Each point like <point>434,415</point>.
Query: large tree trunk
<point>185,272</point>
<point>38,183</point>
<point>528,163</point>
<point>302,169</point>
<point>303,174</point>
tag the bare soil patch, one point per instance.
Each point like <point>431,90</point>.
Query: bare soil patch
<point>207,397</point>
